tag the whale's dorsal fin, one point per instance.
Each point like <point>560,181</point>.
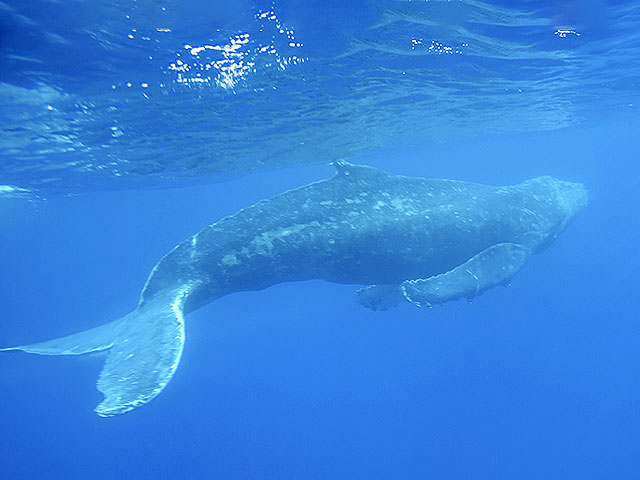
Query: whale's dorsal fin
<point>344,168</point>
<point>351,171</point>
<point>341,165</point>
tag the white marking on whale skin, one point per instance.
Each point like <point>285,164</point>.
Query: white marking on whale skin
<point>405,205</point>
<point>349,201</point>
<point>476,279</point>
<point>230,260</point>
<point>176,308</point>
<point>194,244</point>
<point>263,244</point>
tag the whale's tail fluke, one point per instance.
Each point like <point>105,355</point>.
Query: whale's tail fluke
<point>94,340</point>
<point>144,347</point>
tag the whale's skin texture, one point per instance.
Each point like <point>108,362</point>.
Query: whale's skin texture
<point>421,240</point>
<point>363,226</point>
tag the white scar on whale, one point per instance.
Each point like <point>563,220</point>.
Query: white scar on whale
<point>424,241</point>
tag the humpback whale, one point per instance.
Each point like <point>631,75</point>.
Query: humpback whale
<point>423,241</point>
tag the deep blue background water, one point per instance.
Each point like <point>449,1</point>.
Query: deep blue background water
<point>537,380</point>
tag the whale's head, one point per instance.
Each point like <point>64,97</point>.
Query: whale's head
<point>555,203</point>
<point>571,198</point>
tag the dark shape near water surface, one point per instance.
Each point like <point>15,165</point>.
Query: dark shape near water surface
<point>425,241</point>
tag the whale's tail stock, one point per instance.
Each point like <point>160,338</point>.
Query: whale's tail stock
<point>144,349</point>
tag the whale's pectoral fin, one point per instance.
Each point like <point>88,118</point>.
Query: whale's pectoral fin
<point>143,357</point>
<point>491,267</point>
<point>380,297</point>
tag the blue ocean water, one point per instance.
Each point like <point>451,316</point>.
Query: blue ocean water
<point>128,126</point>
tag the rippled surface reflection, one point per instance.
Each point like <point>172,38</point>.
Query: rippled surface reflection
<point>141,94</point>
